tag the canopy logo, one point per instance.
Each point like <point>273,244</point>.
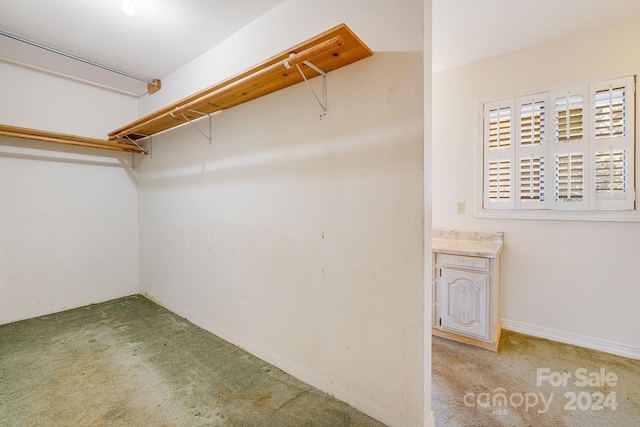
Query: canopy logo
<point>500,399</point>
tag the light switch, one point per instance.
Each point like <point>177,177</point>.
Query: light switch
<point>460,208</point>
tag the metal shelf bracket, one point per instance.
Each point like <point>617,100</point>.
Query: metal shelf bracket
<point>133,141</point>
<point>133,155</point>
<point>196,126</point>
<point>322,100</point>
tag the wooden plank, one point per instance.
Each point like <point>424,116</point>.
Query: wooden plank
<point>153,88</point>
<point>67,139</point>
<point>330,50</point>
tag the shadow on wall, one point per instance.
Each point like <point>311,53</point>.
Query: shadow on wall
<point>15,148</point>
<point>375,107</point>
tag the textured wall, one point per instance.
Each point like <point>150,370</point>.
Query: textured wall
<point>297,238</point>
<point>569,280</point>
<point>68,216</point>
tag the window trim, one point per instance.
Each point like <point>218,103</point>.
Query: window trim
<point>549,214</point>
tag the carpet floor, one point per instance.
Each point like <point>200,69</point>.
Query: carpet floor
<point>532,382</point>
<point>129,362</point>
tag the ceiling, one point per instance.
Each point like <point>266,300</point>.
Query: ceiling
<point>157,39</point>
<point>466,31</point>
<point>165,34</point>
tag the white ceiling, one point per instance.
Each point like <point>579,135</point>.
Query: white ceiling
<point>165,34</point>
<point>159,38</point>
<point>466,31</point>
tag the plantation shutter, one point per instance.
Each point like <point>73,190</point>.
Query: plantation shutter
<point>568,149</point>
<point>499,155</point>
<point>530,152</point>
<point>612,144</point>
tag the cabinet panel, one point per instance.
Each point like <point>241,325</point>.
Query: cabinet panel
<point>469,262</point>
<point>463,306</point>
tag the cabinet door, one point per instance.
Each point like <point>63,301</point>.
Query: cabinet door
<point>463,303</point>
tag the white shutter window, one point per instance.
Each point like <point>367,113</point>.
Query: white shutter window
<point>499,180</point>
<point>569,148</point>
<point>610,172</point>
<point>573,148</point>
<point>500,127</point>
<point>609,109</point>
<point>612,144</point>
<point>569,178</point>
<point>530,152</point>
<point>499,155</point>
<point>569,110</point>
<point>532,181</point>
<point>532,120</point>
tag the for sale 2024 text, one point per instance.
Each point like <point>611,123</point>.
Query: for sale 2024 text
<point>583,378</point>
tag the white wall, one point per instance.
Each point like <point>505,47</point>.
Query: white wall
<point>429,420</point>
<point>385,26</point>
<point>68,216</point>
<point>297,238</point>
<point>573,281</point>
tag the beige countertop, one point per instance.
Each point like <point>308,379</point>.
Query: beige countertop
<point>469,243</point>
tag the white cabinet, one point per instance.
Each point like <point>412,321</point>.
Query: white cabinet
<point>464,302</point>
<point>466,287</point>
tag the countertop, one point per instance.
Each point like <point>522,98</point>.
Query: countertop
<point>468,243</point>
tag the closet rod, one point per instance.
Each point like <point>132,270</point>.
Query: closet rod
<point>77,58</point>
<point>62,138</point>
<point>291,61</point>
<point>223,93</point>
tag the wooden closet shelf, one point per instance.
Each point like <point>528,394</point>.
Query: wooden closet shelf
<point>62,138</point>
<point>328,51</point>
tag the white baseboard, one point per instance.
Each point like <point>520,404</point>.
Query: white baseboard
<point>570,338</point>
<point>357,400</point>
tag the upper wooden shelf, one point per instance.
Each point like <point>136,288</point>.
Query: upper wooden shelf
<point>328,51</point>
<point>63,138</point>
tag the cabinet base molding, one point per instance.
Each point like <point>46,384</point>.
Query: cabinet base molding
<point>493,346</point>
